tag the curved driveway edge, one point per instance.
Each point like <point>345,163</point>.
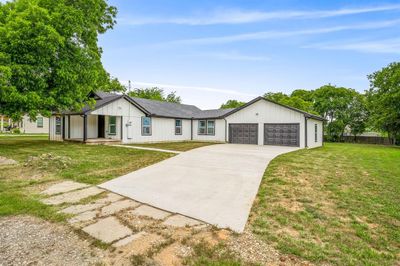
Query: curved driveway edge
<point>216,184</point>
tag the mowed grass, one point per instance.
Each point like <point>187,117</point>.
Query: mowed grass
<point>41,161</point>
<point>176,146</point>
<point>339,204</point>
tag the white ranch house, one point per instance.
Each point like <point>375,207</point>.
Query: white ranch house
<point>125,119</point>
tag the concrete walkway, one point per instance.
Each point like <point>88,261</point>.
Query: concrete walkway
<point>146,148</point>
<point>216,184</point>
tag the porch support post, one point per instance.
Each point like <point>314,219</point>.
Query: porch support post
<point>84,128</point>
<point>69,126</point>
<point>63,127</point>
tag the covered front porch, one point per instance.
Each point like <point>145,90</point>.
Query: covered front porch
<point>92,129</point>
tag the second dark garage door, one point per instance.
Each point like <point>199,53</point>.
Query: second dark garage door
<point>282,134</point>
<point>243,133</point>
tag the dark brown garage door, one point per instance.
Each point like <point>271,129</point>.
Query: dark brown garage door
<point>243,133</point>
<point>282,134</point>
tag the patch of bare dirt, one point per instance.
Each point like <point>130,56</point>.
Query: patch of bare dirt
<point>26,240</point>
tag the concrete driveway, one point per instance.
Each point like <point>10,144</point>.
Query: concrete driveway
<point>216,184</point>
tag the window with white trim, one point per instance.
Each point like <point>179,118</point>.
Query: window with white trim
<point>112,125</point>
<point>146,126</point>
<point>58,125</point>
<point>210,127</point>
<point>202,127</point>
<point>316,132</point>
<point>178,126</point>
<point>39,122</point>
<point>206,127</point>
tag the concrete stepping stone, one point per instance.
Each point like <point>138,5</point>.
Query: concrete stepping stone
<point>73,197</point>
<point>64,187</point>
<point>151,212</point>
<point>129,239</point>
<point>108,230</point>
<point>76,209</point>
<point>110,197</point>
<point>118,206</point>
<point>6,161</point>
<point>181,221</point>
<point>83,217</point>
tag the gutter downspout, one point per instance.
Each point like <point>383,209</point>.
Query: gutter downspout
<point>191,128</point>
<point>226,126</point>
<point>306,133</point>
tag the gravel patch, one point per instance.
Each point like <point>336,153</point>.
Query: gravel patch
<point>26,240</point>
<point>248,247</point>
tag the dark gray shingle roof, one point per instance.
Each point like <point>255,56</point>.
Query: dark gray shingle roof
<point>159,108</point>
<point>176,110</point>
<point>214,113</point>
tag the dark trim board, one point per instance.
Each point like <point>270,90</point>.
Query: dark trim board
<point>298,134</point>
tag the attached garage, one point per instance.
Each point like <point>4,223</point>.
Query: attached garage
<point>282,134</point>
<point>243,133</point>
<point>265,122</point>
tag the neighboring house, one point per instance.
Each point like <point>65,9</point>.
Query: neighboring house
<point>28,126</point>
<point>135,120</point>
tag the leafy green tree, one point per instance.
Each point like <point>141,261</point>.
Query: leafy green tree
<point>155,93</point>
<point>292,101</point>
<point>334,104</point>
<point>305,95</point>
<point>358,115</point>
<point>384,100</point>
<point>232,104</point>
<point>49,57</point>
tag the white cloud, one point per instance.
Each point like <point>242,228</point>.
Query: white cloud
<point>237,16</point>
<point>265,35</point>
<point>381,46</point>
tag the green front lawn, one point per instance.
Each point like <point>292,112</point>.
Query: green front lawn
<point>338,204</point>
<point>176,146</point>
<point>42,161</point>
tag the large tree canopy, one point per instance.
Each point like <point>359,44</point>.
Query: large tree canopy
<point>384,99</point>
<point>155,93</point>
<point>295,100</point>
<point>232,104</point>
<point>49,57</point>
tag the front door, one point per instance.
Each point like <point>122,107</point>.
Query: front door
<point>101,126</point>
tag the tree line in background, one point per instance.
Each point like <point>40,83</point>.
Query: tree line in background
<point>347,110</point>
<point>50,62</point>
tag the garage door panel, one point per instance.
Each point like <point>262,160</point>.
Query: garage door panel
<point>282,134</point>
<point>243,133</point>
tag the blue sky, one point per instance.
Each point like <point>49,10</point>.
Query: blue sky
<point>211,51</point>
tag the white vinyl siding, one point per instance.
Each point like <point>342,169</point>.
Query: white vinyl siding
<point>219,131</point>
<point>162,129</point>
<point>314,128</point>
<point>262,112</point>
<point>41,125</point>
